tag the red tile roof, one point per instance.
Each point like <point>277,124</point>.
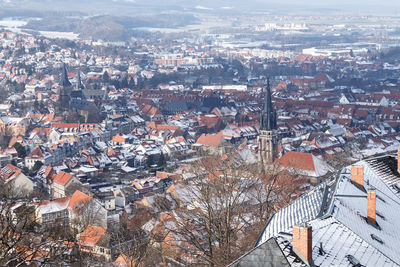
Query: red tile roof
<point>36,153</point>
<point>210,139</point>
<point>298,160</point>
<point>91,236</point>
<point>79,201</point>
<point>62,178</point>
<point>9,172</point>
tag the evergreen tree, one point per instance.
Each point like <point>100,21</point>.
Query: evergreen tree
<point>150,160</point>
<point>20,150</point>
<point>140,84</point>
<point>36,105</point>
<point>37,166</point>
<point>161,160</point>
<point>131,83</point>
<point>106,77</point>
<point>124,82</point>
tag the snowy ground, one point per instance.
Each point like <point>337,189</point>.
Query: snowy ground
<point>12,23</point>
<point>63,35</point>
<point>16,25</point>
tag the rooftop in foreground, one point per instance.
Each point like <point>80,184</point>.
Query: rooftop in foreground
<point>352,221</point>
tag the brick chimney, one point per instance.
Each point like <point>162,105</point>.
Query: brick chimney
<point>371,205</point>
<point>357,175</point>
<point>398,160</point>
<point>302,242</point>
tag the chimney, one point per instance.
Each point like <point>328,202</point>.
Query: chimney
<point>371,206</point>
<point>357,175</point>
<point>302,242</point>
<point>398,160</point>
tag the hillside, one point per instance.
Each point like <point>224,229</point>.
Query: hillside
<point>109,28</point>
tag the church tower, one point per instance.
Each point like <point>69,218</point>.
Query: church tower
<point>267,139</point>
<point>79,84</point>
<point>65,90</point>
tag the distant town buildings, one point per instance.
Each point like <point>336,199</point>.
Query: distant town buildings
<point>107,138</point>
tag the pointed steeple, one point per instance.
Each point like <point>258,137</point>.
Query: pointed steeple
<point>64,77</point>
<point>268,117</point>
<point>79,84</point>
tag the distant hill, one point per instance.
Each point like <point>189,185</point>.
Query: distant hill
<point>109,28</point>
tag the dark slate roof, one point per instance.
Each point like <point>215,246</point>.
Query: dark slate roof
<point>265,255</point>
<point>90,93</point>
<point>175,106</point>
<point>77,94</point>
<point>212,102</point>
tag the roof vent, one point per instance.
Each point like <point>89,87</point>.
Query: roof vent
<point>380,215</point>
<point>376,238</point>
<point>353,260</point>
<point>397,186</point>
<point>321,250</point>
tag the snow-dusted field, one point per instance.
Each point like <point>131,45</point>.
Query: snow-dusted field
<point>17,25</point>
<point>12,23</point>
<point>63,35</point>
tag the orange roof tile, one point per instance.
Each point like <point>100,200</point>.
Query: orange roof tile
<point>298,160</point>
<point>9,172</point>
<point>36,153</point>
<point>118,139</point>
<point>124,261</point>
<point>79,201</point>
<point>91,235</point>
<point>62,178</point>
<point>210,139</point>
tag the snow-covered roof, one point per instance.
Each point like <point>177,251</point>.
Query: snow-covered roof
<point>305,208</point>
<point>53,206</point>
<point>337,213</point>
<point>338,242</point>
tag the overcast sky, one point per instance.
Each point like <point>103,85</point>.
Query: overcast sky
<point>353,6</point>
<point>341,2</point>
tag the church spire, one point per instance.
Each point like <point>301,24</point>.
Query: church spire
<point>65,89</point>
<point>267,139</point>
<point>268,117</point>
<point>64,77</point>
<point>79,84</point>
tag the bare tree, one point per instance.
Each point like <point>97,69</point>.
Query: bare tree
<point>273,188</point>
<point>230,202</point>
<point>22,241</point>
<point>133,244</point>
<point>88,211</point>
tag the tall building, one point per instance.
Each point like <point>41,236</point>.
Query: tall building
<point>267,140</point>
<point>79,84</point>
<point>65,90</point>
